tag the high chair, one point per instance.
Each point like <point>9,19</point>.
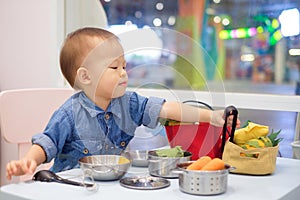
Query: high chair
<point>23,113</point>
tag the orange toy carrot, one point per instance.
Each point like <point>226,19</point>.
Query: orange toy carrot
<point>197,165</point>
<point>214,164</point>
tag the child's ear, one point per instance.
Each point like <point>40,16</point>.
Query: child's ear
<point>83,75</point>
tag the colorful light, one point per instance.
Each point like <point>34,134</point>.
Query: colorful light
<point>260,29</point>
<point>237,33</point>
<point>241,33</point>
<point>272,26</point>
<point>275,24</point>
<point>224,34</point>
<point>275,37</point>
<point>250,32</point>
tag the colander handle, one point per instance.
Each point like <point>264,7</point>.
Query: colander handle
<point>230,110</point>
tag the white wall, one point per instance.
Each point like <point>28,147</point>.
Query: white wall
<point>81,13</point>
<point>31,34</point>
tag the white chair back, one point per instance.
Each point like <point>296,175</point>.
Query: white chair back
<point>23,113</point>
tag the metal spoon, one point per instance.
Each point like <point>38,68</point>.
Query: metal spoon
<point>49,176</point>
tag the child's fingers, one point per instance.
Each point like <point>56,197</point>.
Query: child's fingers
<point>230,121</point>
<point>31,166</point>
<point>18,168</point>
<point>11,166</point>
<point>11,169</point>
<point>28,166</point>
<point>8,171</point>
<point>8,176</point>
<point>217,118</point>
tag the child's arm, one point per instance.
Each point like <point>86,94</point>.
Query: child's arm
<point>27,165</point>
<point>186,113</point>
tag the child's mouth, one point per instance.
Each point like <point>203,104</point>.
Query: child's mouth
<point>124,83</point>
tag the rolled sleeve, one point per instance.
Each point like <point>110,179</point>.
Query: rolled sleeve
<point>47,144</point>
<point>54,137</point>
<point>152,110</point>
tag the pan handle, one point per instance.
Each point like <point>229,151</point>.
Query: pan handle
<point>199,103</point>
<point>230,110</point>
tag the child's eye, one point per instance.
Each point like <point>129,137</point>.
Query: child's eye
<point>113,67</point>
<point>124,65</point>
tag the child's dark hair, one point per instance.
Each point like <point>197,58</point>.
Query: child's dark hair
<point>76,47</point>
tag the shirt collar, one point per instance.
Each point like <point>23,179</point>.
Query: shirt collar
<point>94,110</point>
<point>89,106</point>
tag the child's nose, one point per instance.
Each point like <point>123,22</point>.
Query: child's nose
<point>123,72</point>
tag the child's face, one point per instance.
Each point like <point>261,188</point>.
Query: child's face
<point>113,81</point>
<point>107,67</point>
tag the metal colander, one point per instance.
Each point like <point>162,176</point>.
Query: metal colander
<point>202,182</point>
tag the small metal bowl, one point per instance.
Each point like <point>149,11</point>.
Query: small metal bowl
<point>105,167</point>
<point>164,166</point>
<point>139,158</point>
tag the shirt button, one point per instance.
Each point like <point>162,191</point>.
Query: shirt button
<point>85,151</point>
<point>123,144</point>
<point>107,116</point>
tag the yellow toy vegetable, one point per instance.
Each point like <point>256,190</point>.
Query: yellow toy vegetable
<point>251,131</point>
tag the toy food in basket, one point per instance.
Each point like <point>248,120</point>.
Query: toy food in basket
<point>253,151</point>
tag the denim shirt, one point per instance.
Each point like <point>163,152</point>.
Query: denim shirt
<point>79,128</point>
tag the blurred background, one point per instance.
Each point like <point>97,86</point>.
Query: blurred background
<point>248,46</point>
<point>242,42</point>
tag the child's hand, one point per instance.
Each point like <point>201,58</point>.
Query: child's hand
<point>20,167</point>
<point>230,120</point>
<point>217,119</point>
